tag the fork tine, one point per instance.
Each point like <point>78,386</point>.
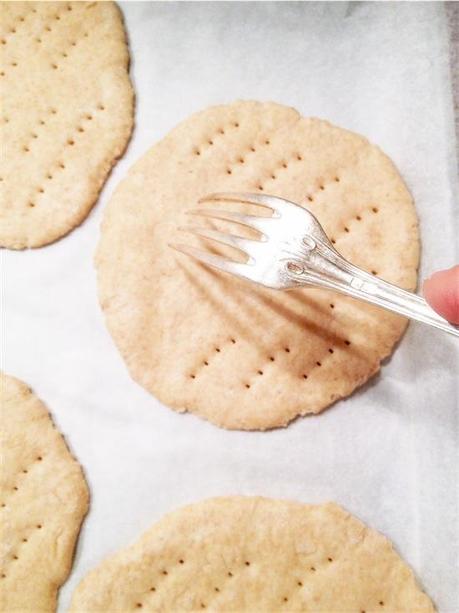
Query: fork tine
<point>217,261</point>
<point>251,221</point>
<point>258,199</point>
<point>243,244</point>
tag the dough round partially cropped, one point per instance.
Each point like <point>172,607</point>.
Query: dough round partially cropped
<point>67,114</point>
<point>254,554</point>
<point>237,354</point>
<point>43,499</point>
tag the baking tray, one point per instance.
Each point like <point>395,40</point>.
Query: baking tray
<point>388,453</point>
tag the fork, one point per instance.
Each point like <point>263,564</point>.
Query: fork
<point>292,250</point>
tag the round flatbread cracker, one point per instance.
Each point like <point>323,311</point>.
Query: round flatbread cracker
<point>254,554</point>
<point>43,500</point>
<point>235,353</point>
<point>67,114</point>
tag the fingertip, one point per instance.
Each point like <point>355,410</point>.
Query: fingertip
<point>441,291</point>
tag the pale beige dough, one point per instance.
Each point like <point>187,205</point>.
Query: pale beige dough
<point>254,554</point>
<point>237,354</point>
<point>43,500</point>
<point>66,114</point>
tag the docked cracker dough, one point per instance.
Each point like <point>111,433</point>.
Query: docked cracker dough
<point>254,554</point>
<point>67,114</point>
<point>43,496</point>
<point>235,353</point>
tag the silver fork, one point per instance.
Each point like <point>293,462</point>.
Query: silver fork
<point>293,251</point>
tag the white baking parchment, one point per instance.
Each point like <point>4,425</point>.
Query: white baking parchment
<point>389,453</point>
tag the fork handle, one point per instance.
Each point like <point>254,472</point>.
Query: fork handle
<point>328,269</point>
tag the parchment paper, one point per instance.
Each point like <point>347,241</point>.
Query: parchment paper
<point>389,453</point>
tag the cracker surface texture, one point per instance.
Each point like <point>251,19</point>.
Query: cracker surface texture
<point>66,116</point>
<point>43,496</point>
<point>240,355</point>
<point>254,554</point>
